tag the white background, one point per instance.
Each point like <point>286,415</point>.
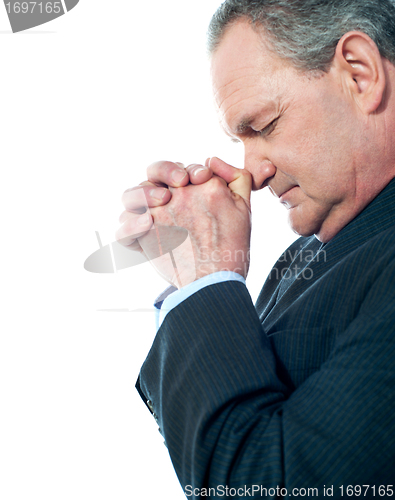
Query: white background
<point>86,103</point>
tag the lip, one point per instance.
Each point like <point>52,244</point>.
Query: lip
<point>282,196</point>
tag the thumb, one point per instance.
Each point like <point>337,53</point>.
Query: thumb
<point>239,180</point>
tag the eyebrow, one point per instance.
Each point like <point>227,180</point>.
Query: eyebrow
<point>241,128</point>
<point>244,125</point>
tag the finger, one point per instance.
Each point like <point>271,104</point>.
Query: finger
<point>198,174</point>
<point>134,247</point>
<point>239,180</point>
<point>132,228</point>
<point>139,198</point>
<point>126,215</point>
<point>168,173</point>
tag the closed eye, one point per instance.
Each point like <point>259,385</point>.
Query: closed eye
<point>268,129</point>
<point>245,129</point>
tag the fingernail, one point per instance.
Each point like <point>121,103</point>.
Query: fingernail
<point>158,194</point>
<point>200,169</point>
<point>178,176</point>
<point>144,219</point>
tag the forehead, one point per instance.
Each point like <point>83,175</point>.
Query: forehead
<point>246,74</point>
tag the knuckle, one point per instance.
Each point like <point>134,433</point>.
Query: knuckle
<point>165,216</point>
<point>179,197</point>
<point>159,168</point>
<point>215,184</point>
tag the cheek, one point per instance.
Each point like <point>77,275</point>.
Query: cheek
<point>311,160</point>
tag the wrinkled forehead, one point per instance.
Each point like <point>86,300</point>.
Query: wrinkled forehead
<point>245,75</point>
<point>235,53</point>
<point>241,60</point>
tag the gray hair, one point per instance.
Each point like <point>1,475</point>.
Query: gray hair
<point>306,32</point>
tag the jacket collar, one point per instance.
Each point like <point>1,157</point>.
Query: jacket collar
<point>377,217</point>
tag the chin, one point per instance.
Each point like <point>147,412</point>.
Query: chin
<point>303,226</point>
<point>308,219</point>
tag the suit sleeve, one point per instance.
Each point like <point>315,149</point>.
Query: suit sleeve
<point>228,417</point>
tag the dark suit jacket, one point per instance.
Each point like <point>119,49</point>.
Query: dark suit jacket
<point>298,391</point>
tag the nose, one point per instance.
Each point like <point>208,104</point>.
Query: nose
<point>259,166</point>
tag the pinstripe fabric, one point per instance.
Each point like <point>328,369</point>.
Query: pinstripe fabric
<point>297,391</point>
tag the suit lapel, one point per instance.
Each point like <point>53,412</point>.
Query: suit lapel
<point>315,259</point>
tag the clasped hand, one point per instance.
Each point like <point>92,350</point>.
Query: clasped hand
<point>211,201</point>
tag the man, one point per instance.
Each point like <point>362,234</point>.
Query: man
<point>298,391</point>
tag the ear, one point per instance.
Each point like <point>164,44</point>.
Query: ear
<point>360,64</point>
